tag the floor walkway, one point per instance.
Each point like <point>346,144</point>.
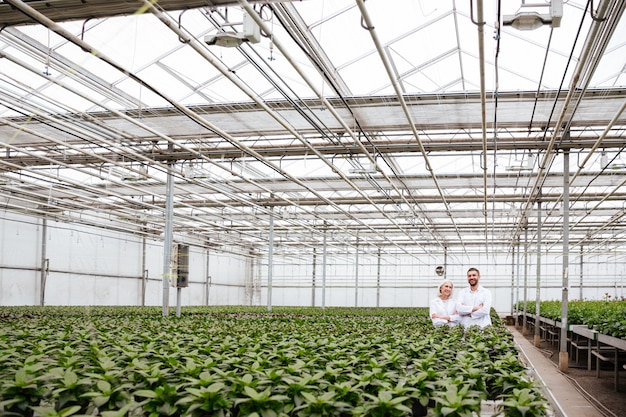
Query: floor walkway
<point>565,399</point>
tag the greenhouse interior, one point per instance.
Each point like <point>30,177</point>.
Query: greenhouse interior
<point>287,156</point>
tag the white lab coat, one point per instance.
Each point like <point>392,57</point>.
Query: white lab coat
<point>446,308</point>
<point>468,299</point>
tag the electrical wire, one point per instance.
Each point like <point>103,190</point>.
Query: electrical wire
<point>496,92</point>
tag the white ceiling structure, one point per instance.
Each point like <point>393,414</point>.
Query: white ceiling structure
<point>409,125</point>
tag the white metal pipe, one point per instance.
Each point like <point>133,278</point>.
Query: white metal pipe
<point>270,260</point>
<point>192,115</point>
<point>483,110</point>
<point>586,60</point>
<point>368,21</point>
<point>345,126</point>
<point>563,354</point>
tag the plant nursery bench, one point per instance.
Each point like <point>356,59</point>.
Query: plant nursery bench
<point>613,350</point>
<point>583,338</point>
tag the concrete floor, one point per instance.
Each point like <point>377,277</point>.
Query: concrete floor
<point>566,400</point>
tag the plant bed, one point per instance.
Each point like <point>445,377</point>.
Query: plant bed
<point>607,316</point>
<point>130,361</point>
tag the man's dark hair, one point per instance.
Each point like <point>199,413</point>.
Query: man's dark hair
<point>473,269</point>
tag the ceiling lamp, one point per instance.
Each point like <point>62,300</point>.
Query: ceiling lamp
<point>529,18</point>
<point>522,165</point>
<point>191,172</point>
<point>364,170</point>
<point>251,33</point>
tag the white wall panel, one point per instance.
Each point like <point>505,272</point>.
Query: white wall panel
<point>20,241</point>
<point>18,288</point>
<point>95,267</point>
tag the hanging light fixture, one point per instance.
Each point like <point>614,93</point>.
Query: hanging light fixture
<point>528,16</point>
<point>251,33</point>
<point>604,160</point>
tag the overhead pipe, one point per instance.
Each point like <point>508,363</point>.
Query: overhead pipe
<point>101,158</point>
<point>124,210</point>
<point>218,65</point>
<point>45,261</point>
<point>158,134</point>
<point>40,18</point>
<point>126,150</point>
<point>563,353</point>
<point>338,117</point>
<point>225,71</point>
<point>91,81</point>
<point>587,64</point>
<point>295,26</point>
<point>597,42</point>
<point>168,242</point>
<point>480,23</point>
<point>405,108</point>
<point>79,185</point>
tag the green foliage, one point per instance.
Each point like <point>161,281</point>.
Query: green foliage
<point>385,404</point>
<point>454,400</point>
<point>606,316</point>
<point>522,403</point>
<point>231,361</point>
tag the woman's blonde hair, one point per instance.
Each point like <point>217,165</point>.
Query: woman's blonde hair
<point>445,281</point>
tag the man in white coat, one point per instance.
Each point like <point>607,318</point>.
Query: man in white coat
<point>474,302</point>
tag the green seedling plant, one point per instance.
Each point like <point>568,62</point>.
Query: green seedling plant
<point>70,387</point>
<point>19,393</point>
<point>207,400</point>
<point>323,405</point>
<point>385,404</point>
<point>105,396</point>
<point>452,400</point>
<point>263,403</point>
<point>294,386</point>
<point>162,401</point>
<point>49,411</point>
<point>231,361</point>
<point>523,403</point>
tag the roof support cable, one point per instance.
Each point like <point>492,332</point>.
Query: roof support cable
<point>483,113</point>
<point>310,47</point>
<point>195,117</point>
<point>347,128</point>
<point>599,44</point>
<point>495,122</point>
<point>543,69</point>
<point>314,52</point>
<point>290,21</point>
<point>545,162</point>
<point>606,197</point>
<point>298,104</point>
<point>407,114</point>
<point>596,44</point>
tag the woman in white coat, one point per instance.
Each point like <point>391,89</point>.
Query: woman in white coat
<point>443,309</point>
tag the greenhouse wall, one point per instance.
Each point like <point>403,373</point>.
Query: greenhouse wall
<point>400,280</point>
<point>89,266</point>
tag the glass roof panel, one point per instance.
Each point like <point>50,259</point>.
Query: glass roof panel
<point>307,120</point>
